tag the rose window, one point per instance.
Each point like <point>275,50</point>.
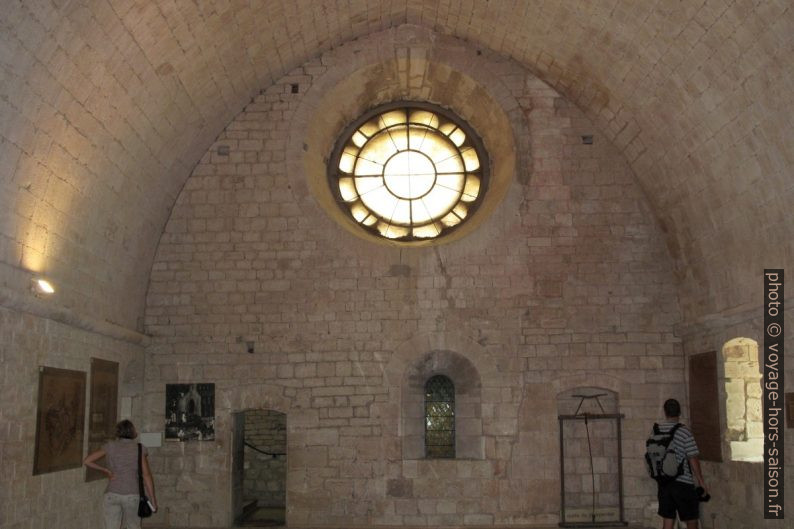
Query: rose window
<point>409,171</point>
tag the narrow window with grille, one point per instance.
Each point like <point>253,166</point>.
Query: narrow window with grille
<point>439,418</point>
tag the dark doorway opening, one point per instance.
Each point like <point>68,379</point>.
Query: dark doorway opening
<point>259,468</point>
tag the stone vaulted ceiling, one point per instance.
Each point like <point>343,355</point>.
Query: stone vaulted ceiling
<point>106,106</point>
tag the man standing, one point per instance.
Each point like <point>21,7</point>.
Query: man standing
<point>679,496</point>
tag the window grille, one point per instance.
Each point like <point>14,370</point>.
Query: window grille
<point>439,417</point>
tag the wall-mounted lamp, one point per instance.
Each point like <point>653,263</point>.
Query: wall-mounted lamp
<point>42,286</point>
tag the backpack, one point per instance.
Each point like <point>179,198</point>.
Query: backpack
<point>662,463</point>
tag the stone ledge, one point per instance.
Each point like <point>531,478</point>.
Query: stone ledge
<point>50,311</point>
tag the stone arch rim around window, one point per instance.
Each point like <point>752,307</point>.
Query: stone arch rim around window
<point>466,377</point>
<point>473,141</point>
<point>368,73</point>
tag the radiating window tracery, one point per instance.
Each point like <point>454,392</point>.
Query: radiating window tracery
<point>409,172</point>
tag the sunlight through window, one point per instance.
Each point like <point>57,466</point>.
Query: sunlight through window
<point>409,172</point>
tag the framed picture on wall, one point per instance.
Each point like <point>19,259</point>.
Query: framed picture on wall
<point>102,408</point>
<point>60,418</point>
<point>189,412</point>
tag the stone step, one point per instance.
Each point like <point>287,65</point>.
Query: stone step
<point>263,517</point>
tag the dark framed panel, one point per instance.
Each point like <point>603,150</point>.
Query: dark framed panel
<point>189,412</point>
<point>704,405</point>
<point>102,408</point>
<point>60,420</point>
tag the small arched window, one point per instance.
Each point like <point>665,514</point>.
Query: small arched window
<point>439,417</point>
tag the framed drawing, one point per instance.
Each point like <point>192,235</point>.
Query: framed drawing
<point>189,412</point>
<point>102,408</point>
<point>60,419</point>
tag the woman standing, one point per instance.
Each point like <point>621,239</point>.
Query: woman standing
<point>122,495</point>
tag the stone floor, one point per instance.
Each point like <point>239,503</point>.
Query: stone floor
<point>401,527</point>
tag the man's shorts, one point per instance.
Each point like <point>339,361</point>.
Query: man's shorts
<point>681,497</point>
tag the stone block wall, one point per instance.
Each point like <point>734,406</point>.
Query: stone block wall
<point>702,117</point>
<point>265,479</point>
<point>27,342</point>
<point>565,284</point>
<point>737,486</point>
<point>266,430</point>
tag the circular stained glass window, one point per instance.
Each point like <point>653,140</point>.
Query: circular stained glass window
<point>409,171</point>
